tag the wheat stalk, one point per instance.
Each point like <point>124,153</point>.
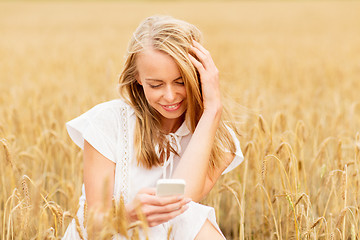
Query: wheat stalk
<point>315,223</point>
<point>25,204</point>
<point>263,170</point>
<point>339,154</point>
<point>78,228</point>
<point>263,125</point>
<point>341,218</point>
<point>8,156</point>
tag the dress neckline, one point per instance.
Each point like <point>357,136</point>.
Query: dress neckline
<point>182,131</point>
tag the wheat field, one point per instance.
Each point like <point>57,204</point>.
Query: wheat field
<point>291,70</point>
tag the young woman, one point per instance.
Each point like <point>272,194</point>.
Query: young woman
<point>167,124</point>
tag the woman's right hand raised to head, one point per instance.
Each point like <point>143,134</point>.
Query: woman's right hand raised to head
<point>156,210</point>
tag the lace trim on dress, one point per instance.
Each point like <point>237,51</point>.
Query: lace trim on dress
<point>122,165</point>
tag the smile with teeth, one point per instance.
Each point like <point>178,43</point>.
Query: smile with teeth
<point>171,107</point>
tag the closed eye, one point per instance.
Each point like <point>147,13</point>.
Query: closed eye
<point>154,86</point>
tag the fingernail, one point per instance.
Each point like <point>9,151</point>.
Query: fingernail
<point>180,197</point>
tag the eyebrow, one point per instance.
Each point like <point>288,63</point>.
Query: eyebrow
<point>158,80</point>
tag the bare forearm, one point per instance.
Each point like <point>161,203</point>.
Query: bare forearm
<point>193,166</point>
<point>95,223</point>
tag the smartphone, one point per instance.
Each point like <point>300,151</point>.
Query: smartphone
<point>167,187</point>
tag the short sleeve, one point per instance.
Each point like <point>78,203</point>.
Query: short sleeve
<point>98,127</point>
<point>238,154</point>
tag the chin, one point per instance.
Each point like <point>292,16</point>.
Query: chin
<point>172,115</point>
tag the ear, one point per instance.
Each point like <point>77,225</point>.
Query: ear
<point>137,77</point>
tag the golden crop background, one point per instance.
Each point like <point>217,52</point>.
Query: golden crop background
<point>291,67</point>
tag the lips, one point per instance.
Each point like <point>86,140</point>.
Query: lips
<point>172,107</point>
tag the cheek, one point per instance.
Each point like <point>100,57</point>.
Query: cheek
<point>150,94</point>
<point>184,92</point>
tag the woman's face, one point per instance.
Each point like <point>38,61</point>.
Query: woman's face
<point>163,85</point>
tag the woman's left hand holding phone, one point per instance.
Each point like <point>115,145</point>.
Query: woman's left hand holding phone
<point>156,210</point>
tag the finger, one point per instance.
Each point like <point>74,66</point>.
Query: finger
<point>200,55</point>
<point>153,209</point>
<point>157,219</point>
<point>197,64</point>
<point>204,51</point>
<point>200,47</point>
<point>160,201</point>
<point>174,206</point>
<point>205,59</point>
<point>151,191</point>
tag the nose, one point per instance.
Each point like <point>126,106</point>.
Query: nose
<point>169,94</point>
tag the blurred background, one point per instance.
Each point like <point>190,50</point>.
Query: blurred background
<point>289,71</point>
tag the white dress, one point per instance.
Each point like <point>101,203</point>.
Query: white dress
<point>109,128</point>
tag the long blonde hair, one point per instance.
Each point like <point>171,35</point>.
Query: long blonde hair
<point>173,37</point>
